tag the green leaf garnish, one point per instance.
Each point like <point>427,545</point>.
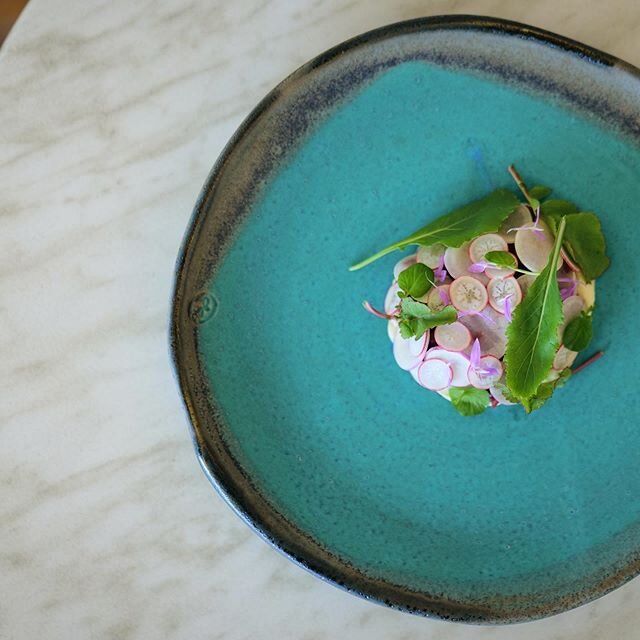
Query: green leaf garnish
<point>455,228</point>
<point>585,244</point>
<point>416,318</point>
<point>539,192</point>
<point>501,259</point>
<point>578,333</point>
<point>532,335</point>
<point>469,401</point>
<point>416,280</point>
<point>545,391</point>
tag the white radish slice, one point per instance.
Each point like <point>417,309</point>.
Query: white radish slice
<point>453,337</point>
<point>499,272</point>
<point>567,260</point>
<point>409,353</point>
<point>392,329</point>
<point>403,264</point>
<point>434,298</point>
<point>564,358</point>
<point>499,289</point>
<point>482,379</point>
<point>392,300</point>
<point>519,218</point>
<point>572,307</point>
<point>489,329</point>
<point>457,263</point>
<point>534,250</point>
<point>525,282</point>
<point>468,294</point>
<point>435,374</point>
<point>485,243</point>
<point>459,365</point>
<point>499,396</point>
<point>430,255</point>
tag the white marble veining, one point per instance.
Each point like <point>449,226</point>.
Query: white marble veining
<point>112,113</point>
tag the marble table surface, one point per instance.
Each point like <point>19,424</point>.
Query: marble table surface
<point>112,114</point>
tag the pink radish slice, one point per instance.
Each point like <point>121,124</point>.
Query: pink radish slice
<point>525,282</point>
<point>430,255</point>
<point>457,263</point>
<point>499,272</point>
<point>482,379</point>
<point>468,294</point>
<point>392,300</point>
<point>485,243</point>
<point>409,353</point>
<point>519,218</point>
<point>499,396</point>
<point>572,307</point>
<point>564,358</point>
<point>403,264</point>
<point>435,374</point>
<point>501,288</point>
<point>489,330</point>
<point>459,365</point>
<point>453,337</point>
<point>533,249</point>
<point>568,262</point>
<point>437,297</point>
<point>392,330</point>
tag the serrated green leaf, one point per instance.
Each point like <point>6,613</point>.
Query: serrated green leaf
<point>585,244</point>
<point>469,401</point>
<point>459,226</point>
<point>539,192</point>
<point>553,210</point>
<point>578,333</point>
<point>532,335</point>
<point>416,280</point>
<point>545,391</point>
<point>416,317</point>
<point>501,259</point>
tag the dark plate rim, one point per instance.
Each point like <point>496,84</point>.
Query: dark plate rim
<point>293,543</point>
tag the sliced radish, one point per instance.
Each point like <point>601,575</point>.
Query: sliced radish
<point>525,282</point>
<point>572,307</point>
<point>499,272</point>
<point>453,337</point>
<point>403,264</point>
<point>392,300</point>
<point>482,377</point>
<point>534,250</point>
<point>457,263</point>
<point>392,330</point>
<point>587,292</point>
<point>409,353</point>
<point>485,243</point>
<point>499,289</point>
<point>567,260</point>
<point>519,218</point>
<point>430,255</point>
<point>490,330</point>
<point>564,358</point>
<point>438,297</point>
<point>459,364</point>
<point>499,396</point>
<point>468,294</point>
<point>435,374</point>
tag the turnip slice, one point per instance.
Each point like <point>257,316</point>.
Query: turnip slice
<point>482,379</point>
<point>409,353</point>
<point>392,300</point>
<point>459,365</point>
<point>499,396</point>
<point>435,374</point>
<point>403,264</point>
<point>519,218</point>
<point>564,358</point>
<point>430,255</point>
<point>499,289</point>
<point>533,249</point>
<point>392,329</point>
<point>457,263</point>
<point>437,298</point>
<point>453,337</point>
<point>468,294</point>
<point>525,282</point>
<point>572,307</point>
<point>489,329</point>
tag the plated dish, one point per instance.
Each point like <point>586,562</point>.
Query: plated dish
<point>302,419</point>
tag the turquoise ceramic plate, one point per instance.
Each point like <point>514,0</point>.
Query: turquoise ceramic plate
<point>301,418</point>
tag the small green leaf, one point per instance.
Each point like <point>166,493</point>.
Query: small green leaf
<point>539,192</point>
<point>585,244</point>
<point>416,317</point>
<point>416,280</point>
<point>455,228</point>
<point>406,329</point>
<point>506,392</point>
<point>545,391</point>
<point>501,259</point>
<point>553,210</point>
<point>532,335</point>
<point>469,401</point>
<point>578,333</point>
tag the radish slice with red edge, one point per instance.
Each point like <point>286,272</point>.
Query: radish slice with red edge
<point>499,289</point>
<point>525,282</point>
<point>567,260</point>
<point>435,374</point>
<point>457,263</point>
<point>533,248</point>
<point>430,255</point>
<point>437,298</point>
<point>519,218</point>
<point>468,294</point>
<point>453,337</point>
<point>392,329</point>
<point>409,353</point>
<point>564,358</point>
<point>459,365</point>
<point>486,374</point>
<point>392,300</point>
<point>403,264</point>
<point>572,307</point>
<point>485,243</point>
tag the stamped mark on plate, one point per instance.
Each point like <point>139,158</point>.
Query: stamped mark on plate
<point>203,307</point>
